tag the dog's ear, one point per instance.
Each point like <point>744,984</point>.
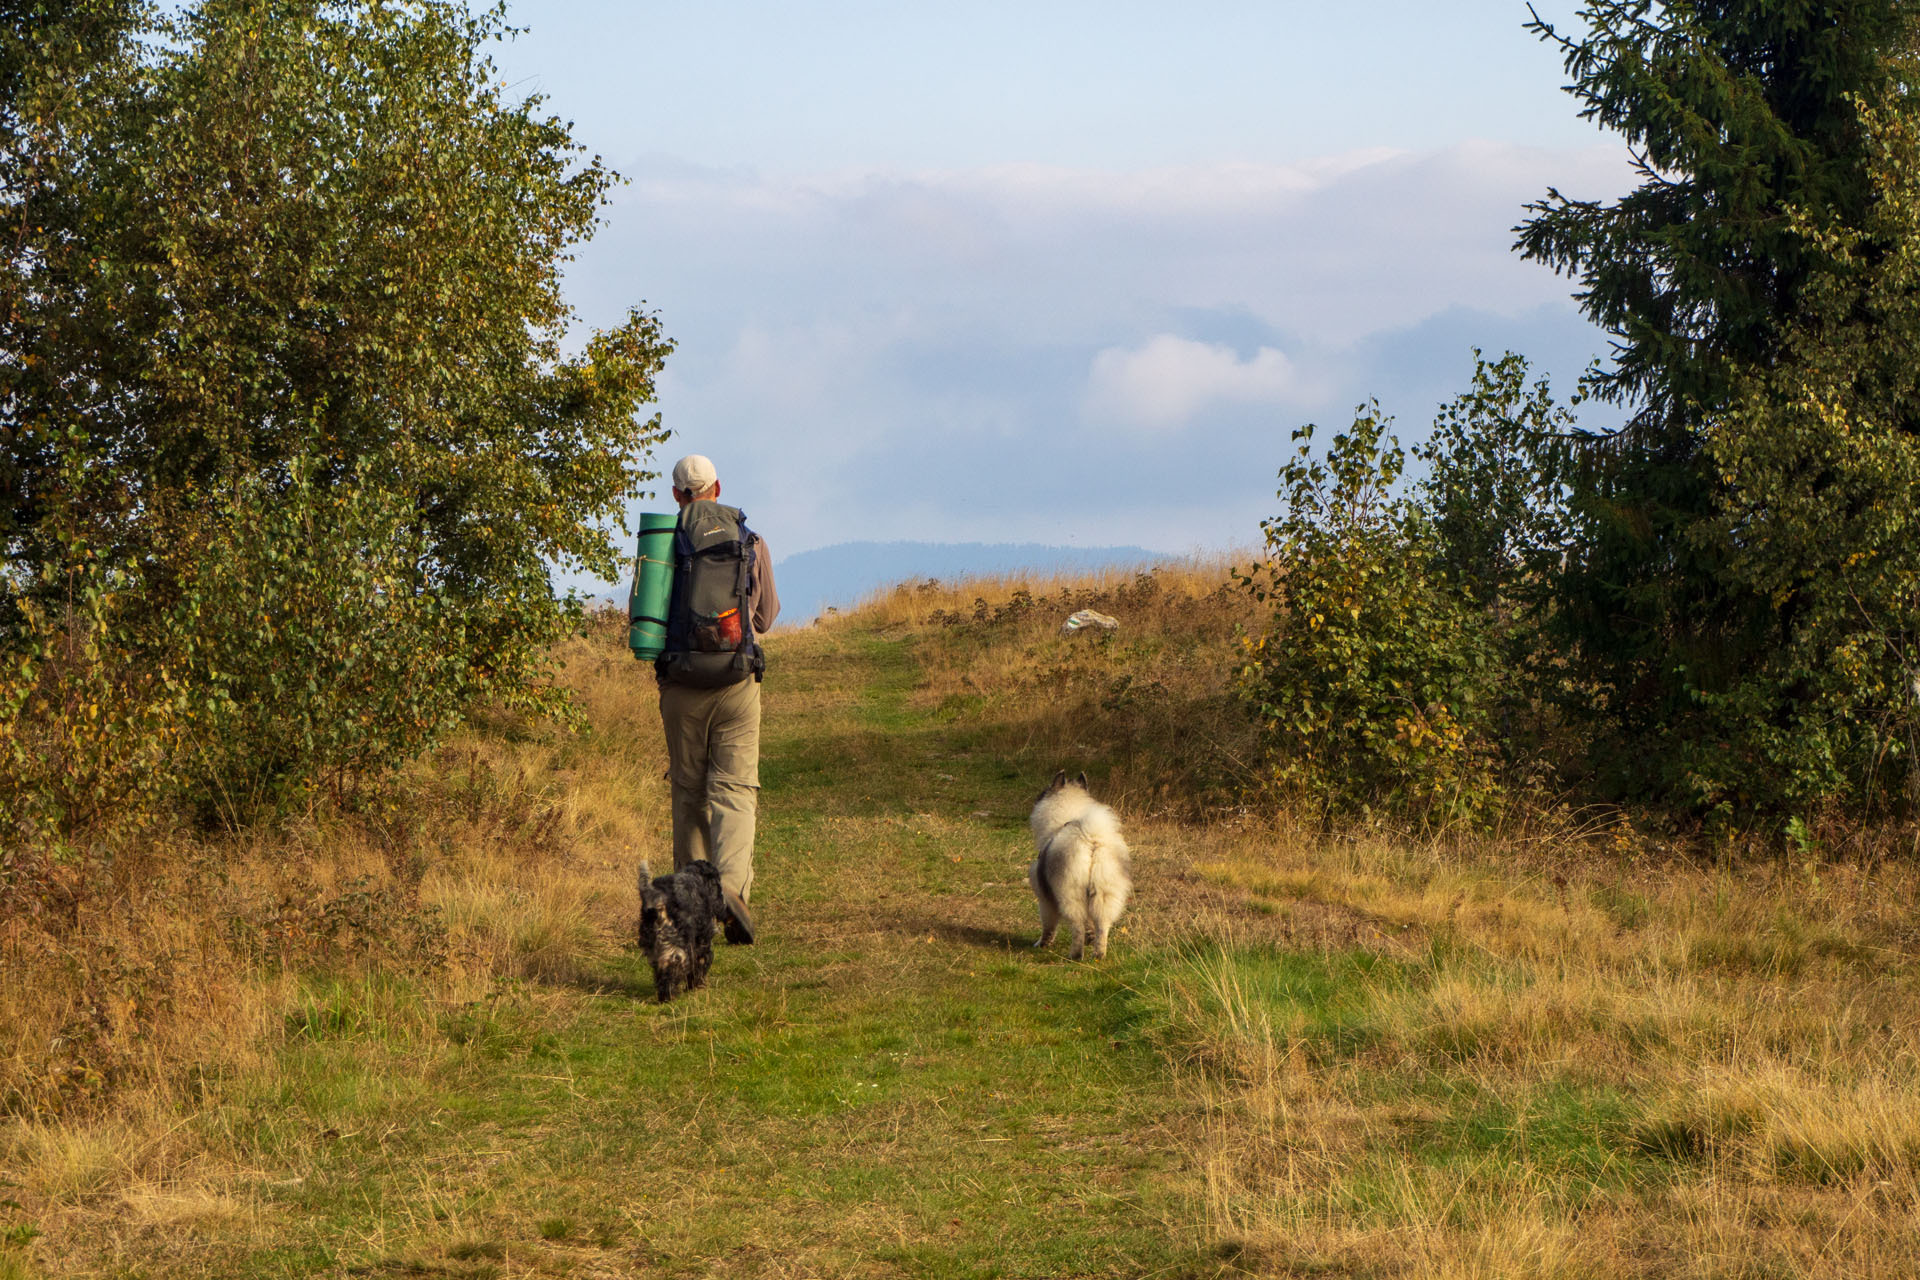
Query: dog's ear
<point>1081,782</point>
<point>1060,778</point>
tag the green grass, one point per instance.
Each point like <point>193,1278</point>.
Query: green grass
<point>890,1083</point>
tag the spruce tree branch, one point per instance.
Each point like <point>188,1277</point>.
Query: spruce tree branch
<point>1647,169</point>
<point>1548,32</point>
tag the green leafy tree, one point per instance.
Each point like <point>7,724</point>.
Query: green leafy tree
<point>1491,485</point>
<point>70,91</point>
<point>1818,456</point>
<point>1741,116</point>
<point>281,263</point>
<point>360,245</point>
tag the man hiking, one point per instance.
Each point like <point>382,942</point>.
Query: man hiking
<point>709,675</point>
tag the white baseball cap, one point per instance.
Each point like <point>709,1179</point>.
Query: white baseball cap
<point>694,473</point>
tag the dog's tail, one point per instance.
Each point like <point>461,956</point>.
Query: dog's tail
<point>646,874</point>
<point>1041,887</point>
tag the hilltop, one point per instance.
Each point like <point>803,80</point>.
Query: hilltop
<point>843,575</point>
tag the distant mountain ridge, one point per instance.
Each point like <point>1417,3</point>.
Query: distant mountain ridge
<point>844,574</point>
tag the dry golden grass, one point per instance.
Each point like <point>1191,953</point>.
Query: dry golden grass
<point>508,856</point>
<point>1148,708</point>
<point>1752,1046</point>
<point>1706,1066</point>
<point>917,604</point>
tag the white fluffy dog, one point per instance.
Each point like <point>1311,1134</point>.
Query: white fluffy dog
<point>1083,874</point>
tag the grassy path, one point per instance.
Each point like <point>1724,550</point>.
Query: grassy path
<point>889,1084</point>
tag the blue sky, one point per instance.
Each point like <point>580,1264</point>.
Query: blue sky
<point>1059,272</point>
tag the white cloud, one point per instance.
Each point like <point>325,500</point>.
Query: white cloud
<point>1338,248</point>
<point>885,341</point>
<point>1170,380</point>
<point>1037,191</point>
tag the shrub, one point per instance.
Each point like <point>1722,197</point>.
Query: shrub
<point>314,645</point>
<point>87,730</point>
<point>1493,490</point>
<point>1374,679</point>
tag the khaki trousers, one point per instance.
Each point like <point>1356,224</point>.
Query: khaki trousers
<point>713,755</point>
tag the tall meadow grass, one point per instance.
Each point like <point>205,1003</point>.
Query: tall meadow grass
<point>1565,1047</point>
<point>1148,706</point>
<point>176,958</point>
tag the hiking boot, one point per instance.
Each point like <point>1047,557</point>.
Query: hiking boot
<point>739,924</point>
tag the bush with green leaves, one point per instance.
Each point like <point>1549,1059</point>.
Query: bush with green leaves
<point>89,733</point>
<point>314,645</point>
<point>1373,684</point>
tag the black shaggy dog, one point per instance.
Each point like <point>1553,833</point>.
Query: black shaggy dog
<point>677,915</point>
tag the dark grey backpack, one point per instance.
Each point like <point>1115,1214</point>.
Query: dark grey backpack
<point>710,640</point>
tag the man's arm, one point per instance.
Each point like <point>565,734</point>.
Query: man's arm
<point>766,597</point>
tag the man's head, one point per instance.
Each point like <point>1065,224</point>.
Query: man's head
<point>694,478</point>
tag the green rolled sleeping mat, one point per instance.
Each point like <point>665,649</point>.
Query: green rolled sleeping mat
<point>652,587</point>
